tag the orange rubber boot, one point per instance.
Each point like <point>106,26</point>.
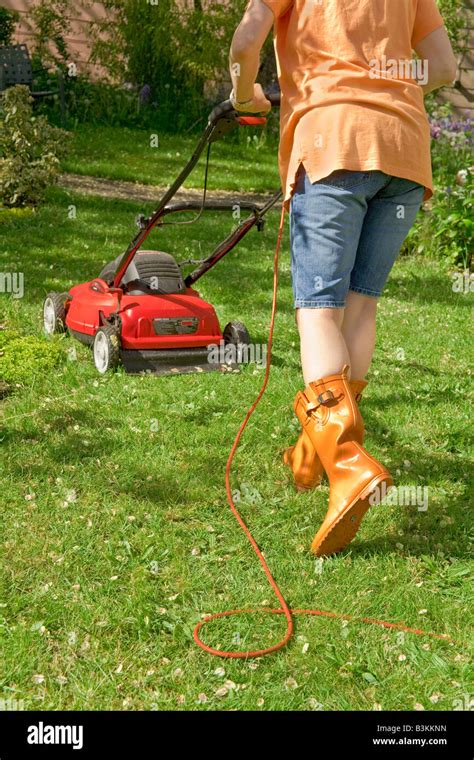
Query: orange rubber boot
<point>330,416</point>
<point>302,457</point>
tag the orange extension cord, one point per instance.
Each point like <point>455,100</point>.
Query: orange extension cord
<point>284,609</point>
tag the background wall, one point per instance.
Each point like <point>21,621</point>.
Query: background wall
<point>81,16</point>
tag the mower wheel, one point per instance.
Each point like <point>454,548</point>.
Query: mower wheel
<point>54,313</point>
<point>106,349</point>
<point>235,333</point>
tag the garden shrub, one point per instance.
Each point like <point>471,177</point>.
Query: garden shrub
<point>52,25</point>
<point>170,53</point>
<point>452,143</point>
<point>452,225</point>
<point>24,359</point>
<point>13,214</point>
<point>30,150</point>
<point>8,21</point>
<point>446,228</point>
<point>454,15</point>
<point>452,222</point>
<point>103,103</point>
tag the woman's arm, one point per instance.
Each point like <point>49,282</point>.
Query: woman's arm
<point>244,58</point>
<point>435,49</point>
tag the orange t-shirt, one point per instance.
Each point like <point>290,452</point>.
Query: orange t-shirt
<point>349,99</point>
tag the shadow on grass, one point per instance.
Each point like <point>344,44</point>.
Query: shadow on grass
<point>66,449</point>
<point>425,289</point>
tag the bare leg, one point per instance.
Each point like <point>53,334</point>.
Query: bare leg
<point>359,331</point>
<point>323,347</point>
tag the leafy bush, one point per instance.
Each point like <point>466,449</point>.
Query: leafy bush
<point>25,358</point>
<point>452,143</point>
<point>454,15</point>
<point>453,222</point>
<point>168,52</point>
<point>51,26</point>
<point>445,229</point>
<point>30,149</point>
<point>8,20</point>
<point>103,103</point>
<point>451,227</point>
<point>12,214</point>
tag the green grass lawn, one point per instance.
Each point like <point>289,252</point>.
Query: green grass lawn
<point>126,154</point>
<point>116,535</point>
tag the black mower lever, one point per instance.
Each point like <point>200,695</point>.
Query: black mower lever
<point>226,108</point>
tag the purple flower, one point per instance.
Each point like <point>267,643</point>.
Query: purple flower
<point>457,132</point>
<point>145,93</point>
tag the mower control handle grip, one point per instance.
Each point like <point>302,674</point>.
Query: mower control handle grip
<point>226,107</point>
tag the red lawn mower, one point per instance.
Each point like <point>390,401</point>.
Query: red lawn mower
<point>140,311</point>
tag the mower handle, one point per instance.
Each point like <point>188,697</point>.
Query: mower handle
<point>225,108</point>
<point>223,119</point>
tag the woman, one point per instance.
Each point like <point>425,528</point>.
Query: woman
<point>355,166</point>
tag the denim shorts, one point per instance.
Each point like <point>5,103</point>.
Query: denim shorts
<point>346,231</point>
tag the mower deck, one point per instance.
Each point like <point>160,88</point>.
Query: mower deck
<point>183,361</point>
